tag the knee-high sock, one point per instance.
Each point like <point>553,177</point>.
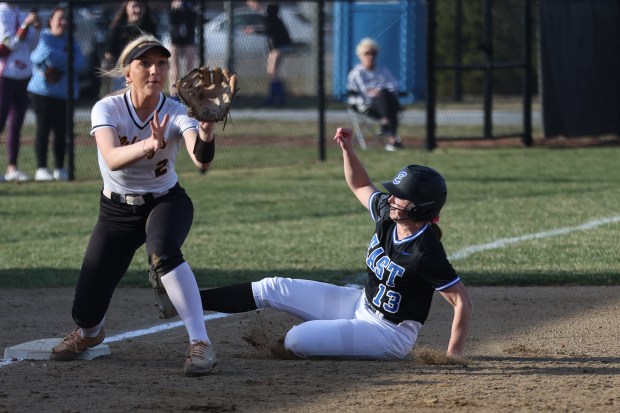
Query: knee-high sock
<point>182,289</point>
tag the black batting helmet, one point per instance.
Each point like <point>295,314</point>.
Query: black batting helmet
<point>424,187</point>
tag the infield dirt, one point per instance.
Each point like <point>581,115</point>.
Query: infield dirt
<point>532,349</point>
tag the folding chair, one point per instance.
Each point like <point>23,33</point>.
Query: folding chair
<point>366,126</point>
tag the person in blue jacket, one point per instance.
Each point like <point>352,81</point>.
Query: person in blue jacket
<point>48,90</point>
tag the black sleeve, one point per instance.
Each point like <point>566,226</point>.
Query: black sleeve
<point>435,268</point>
<point>379,206</point>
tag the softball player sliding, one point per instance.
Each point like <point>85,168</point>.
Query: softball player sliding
<point>406,263</point>
<point>139,132</point>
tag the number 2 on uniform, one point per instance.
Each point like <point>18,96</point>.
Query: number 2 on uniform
<point>393,299</point>
<point>161,167</point>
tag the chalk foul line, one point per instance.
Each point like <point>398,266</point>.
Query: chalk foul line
<point>501,243</point>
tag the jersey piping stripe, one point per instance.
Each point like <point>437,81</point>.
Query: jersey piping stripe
<point>370,201</point>
<point>190,128</point>
<point>450,284</point>
<point>137,122</point>
<point>103,125</point>
<point>410,237</point>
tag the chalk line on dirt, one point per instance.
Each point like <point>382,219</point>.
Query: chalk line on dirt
<point>157,329</point>
<point>458,255</point>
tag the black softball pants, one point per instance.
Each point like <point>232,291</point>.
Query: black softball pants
<point>162,223</point>
<point>50,116</point>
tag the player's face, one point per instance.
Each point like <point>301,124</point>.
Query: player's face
<point>398,208</point>
<point>148,73</point>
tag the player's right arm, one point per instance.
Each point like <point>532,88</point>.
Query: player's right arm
<point>118,156</point>
<point>354,173</point>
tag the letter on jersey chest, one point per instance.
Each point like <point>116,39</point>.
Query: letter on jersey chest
<point>381,264</point>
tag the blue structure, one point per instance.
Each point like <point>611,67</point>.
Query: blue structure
<point>399,27</point>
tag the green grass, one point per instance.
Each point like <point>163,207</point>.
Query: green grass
<point>243,143</point>
<point>301,220</point>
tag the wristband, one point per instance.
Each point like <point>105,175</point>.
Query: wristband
<point>204,151</point>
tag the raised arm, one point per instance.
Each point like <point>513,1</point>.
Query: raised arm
<point>354,173</point>
<point>458,297</point>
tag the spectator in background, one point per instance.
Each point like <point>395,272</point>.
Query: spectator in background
<point>372,90</point>
<point>279,43</point>
<point>132,19</point>
<point>48,88</point>
<point>19,33</point>
<point>182,38</point>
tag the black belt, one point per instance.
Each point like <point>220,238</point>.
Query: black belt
<point>132,199</point>
<point>383,316</point>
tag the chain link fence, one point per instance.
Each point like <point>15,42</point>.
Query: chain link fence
<point>261,131</point>
<point>264,131</point>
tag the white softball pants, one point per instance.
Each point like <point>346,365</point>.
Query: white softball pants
<point>338,321</point>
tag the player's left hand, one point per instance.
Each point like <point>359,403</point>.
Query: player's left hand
<point>208,93</point>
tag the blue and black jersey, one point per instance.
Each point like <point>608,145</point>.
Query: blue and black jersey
<point>403,274</point>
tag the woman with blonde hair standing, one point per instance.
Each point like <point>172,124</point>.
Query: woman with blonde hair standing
<point>139,132</point>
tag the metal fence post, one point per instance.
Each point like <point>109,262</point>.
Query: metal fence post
<point>321,78</point>
<point>487,45</point>
<point>201,33</point>
<point>69,109</point>
<point>528,76</point>
<point>431,27</point>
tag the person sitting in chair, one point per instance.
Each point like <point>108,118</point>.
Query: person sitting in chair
<point>373,90</point>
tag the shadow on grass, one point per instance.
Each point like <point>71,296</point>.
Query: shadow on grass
<point>534,278</point>
<point>54,277</point>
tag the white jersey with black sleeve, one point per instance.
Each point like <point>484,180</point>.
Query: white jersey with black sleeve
<point>153,174</point>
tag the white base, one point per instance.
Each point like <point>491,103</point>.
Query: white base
<point>41,349</point>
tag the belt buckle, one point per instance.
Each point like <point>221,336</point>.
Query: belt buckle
<point>134,200</point>
<point>376,312</point>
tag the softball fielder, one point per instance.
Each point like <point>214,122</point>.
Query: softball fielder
<point>139,132</point>
<point>406,264</point>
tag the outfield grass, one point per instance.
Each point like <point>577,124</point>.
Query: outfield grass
<point>302,221</point>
